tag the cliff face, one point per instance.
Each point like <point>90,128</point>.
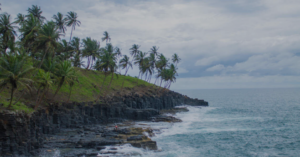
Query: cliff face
<point>21,134</point>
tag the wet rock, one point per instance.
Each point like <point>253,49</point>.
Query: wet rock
<point>135,138</point>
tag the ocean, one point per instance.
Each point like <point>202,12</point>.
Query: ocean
<point>238,122</point>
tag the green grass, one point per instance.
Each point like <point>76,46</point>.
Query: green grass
<point>87,89</point>
<point>89,83</point>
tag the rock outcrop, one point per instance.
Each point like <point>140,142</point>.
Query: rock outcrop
<point>23,135</point>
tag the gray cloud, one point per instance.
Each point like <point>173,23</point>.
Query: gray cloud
<point>216,39</point>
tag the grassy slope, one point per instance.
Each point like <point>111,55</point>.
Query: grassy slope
<point>87,89</point>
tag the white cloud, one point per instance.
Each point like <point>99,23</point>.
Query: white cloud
<point>182,71</point>
<point>218,67</point>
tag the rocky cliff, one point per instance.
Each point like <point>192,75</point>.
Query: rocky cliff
<point>23,135</point>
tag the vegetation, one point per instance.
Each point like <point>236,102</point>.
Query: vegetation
<point>37,66</point>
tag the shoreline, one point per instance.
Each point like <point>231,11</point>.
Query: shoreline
<point>83,123</point>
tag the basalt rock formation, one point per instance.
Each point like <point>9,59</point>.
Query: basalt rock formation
<point>24,135</point>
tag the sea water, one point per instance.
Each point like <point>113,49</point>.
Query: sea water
<point>238,122</point>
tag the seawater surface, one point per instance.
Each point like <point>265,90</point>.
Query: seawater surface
<point>238,122</point>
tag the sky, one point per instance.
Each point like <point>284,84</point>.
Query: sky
<point>222,44</point>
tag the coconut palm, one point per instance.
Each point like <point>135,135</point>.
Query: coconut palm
<point>76,45</point>
<point>154,50</point>
<point>44,81</point>
<point>134,50</point>
<point>125,64</point>
<point>139,60</point>
<point>36,12</point>
<point>65,74</point>
<point>77,62</point>
<point>13,72</point>
<point>161,64</point>
<point>152,63</point>
<point>107,62</point>
<point>7,31</point>
<point>106,37</point>
<point>64,50</point>
<point>72,21</point>
<point>29,31</point>
<point>48,37</point>
<point>176,59</point>
<point>91,50</point>
<point>20,19</point>
<point>60,22</point>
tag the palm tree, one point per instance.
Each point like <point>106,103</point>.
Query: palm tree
<point>106,37</point>
<point>91,50</point>
<point>29,31</point>
<point>107,62</point>
<point>152,63</point>
<point>176,59</point>
<point>75,44</point>
<point>161,64</point>
<point>64,50</point>
<point>60,22</point>
<point>47,38</point>
<point>154,50</point>
<point>44,80</point>
<point>134,50</point>
<point>139,60</point>
<point>72,21</point>
<point>20,19</point>
<point>125,64</point>
<point>13,72</point>
<point>65,73</point>
<point>77,62</point>
<point>7,31</point>
<point>36,12</point>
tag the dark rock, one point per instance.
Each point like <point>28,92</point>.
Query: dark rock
<point>135,138</point>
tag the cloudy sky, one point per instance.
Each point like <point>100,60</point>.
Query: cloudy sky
<point>223,44</point>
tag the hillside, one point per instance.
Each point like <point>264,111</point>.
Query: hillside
<point>87,89</point>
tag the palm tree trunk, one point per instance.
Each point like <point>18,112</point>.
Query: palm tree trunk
<point>20,97</point>
<point>124,78</point>
<point>59,86</point>
<point>137,81</point>
<point>11,96</point>
<point>71,34</point>
<point>112,77</point>
<point>43,95</point>
<point>43,59</point>
<point>92,63</point>
<point>88,63</point>
<point>37,99</point>
<point>101,87</point>
<point>161,82</point>
<point>70,93</point>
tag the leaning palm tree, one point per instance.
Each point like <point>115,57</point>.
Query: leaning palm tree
<point>134,50</point>
<point>48,37</point>
<point>107,62</point>
<point>154,50</point>
<point>106,37</point>
<point>14,70</point>
<point>176,59</point>
<point>20,19</point>
<point>7,31</point>
<point>65,74</point>
<point>36,12</point>
<point>72,21</point>
<point>44,82</point>
<point>125,64</point>
<point>76,45</point>
<point>60,22</point>
<point>91,50</point>
<point>29,31</point>
<point>139,60</point>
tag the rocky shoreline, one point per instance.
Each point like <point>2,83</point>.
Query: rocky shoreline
<point>84,128</point>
